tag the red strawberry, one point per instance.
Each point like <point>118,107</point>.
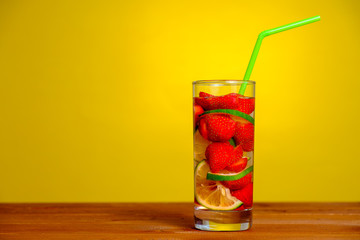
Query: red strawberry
<point>244,136</point>
<point>203,102</point>
<point>204,94</point>
<point>239,165</point>
<point>245,195</point>
<point>217,128</point>
<point>238,184</point>
<point>203,128</point>
<point>197,111</point>
<point>229,101</point>
<point>246,105</point>
<point>238,153</point>
<point>219,155</point>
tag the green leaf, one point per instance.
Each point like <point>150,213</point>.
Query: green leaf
<point>232,142</point>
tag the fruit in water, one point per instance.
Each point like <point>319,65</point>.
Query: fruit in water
<point>250,157</point>
<point>203,129</point>
<point>245,195</point>
<point>219,155</point>
<point>234,114</point>
<point>238,165</point>
<point>197,111</point>
<point>211,194</point>
<point>238,153</point>
<point>240,183</point>
<point>229,101</point>
<point>204,94</point>
<point>229,176</point>
<point>217,128</point>
<point>244,136</point>
<point>246,105</point>
<point>200,145</point>
<point>224,137</point>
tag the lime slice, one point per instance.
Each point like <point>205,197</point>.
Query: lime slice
<point>235,114</point>
<point>228,176</point>
<point>211,194</point>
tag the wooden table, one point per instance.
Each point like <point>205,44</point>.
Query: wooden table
<point>173,221</point>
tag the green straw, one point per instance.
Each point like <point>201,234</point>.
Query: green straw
<point>259,41</point>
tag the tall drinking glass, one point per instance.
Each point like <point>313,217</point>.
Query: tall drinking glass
<point>223,154</point>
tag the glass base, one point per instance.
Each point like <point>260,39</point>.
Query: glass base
<point>210,220</point>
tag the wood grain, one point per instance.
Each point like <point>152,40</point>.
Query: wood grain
<point>173,221</point>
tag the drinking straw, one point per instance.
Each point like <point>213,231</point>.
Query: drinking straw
<point>259,41</point>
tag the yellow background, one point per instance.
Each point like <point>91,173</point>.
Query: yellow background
<point>95,97</point>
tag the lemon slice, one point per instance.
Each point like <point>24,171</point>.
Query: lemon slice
<point>200,145</point>
<point>212,194</point>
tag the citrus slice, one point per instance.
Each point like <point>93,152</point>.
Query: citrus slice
<point>228,176</point>
<point>235,115</point>
<point>212,194</point>
<point>200,145</point>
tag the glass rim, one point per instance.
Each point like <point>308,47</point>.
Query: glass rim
<point>222,82</point>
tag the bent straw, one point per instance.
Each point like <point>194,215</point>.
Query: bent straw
<point>259,41</point>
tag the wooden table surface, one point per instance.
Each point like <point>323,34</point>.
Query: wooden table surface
<point>173,221</point>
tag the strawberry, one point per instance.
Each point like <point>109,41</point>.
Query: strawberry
<point>203,129</point>
<point>238,184</point>
<point>204,94</point>
<point>217,128</point>
<point>219,155</point>
<point>246,105</point>
<point>229,101</point>
<point>238,151</point>
<point>244,136</point>
<point>203,102</point>
<point>197,111</point>
<point>238,165</point>
<point>245,195</point>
